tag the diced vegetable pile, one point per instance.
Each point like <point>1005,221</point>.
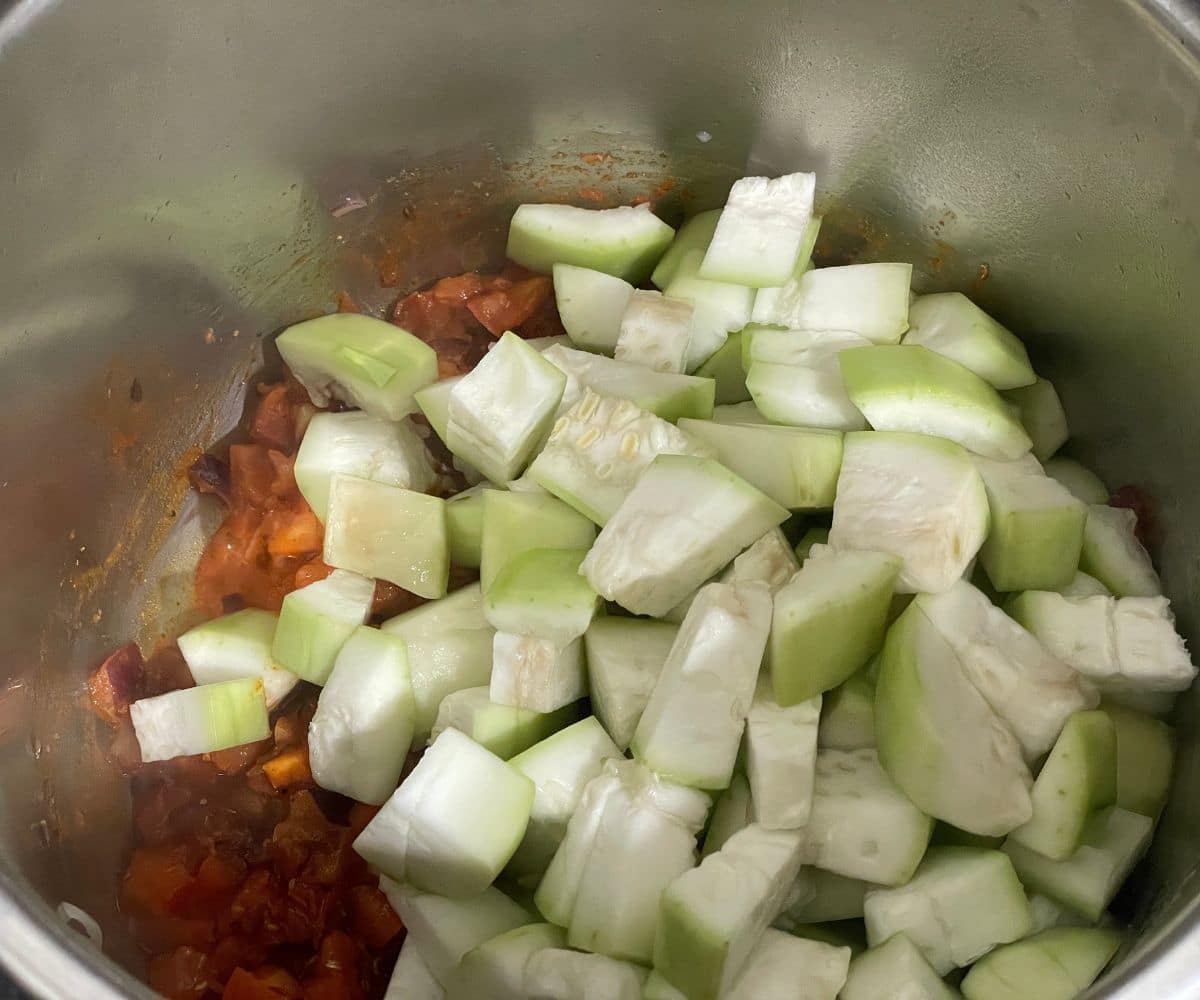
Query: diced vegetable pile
<point>798,664</point>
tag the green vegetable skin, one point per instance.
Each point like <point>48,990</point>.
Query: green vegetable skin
<point>797,468</point>
<point>903,388</point>
<point>1057,964</point>
<point>1036,531</point>
<point>365,362</point>
<point>695,234</point>
<point>939,740</point>
<point>1078,779</point>
<point>624,242</point>
<point>725,368</point>
<point>829,620</point>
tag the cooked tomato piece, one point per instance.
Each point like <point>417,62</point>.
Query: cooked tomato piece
<point>372,919</point>
<point>116,683</point>
<point>235,760</point>
<point>155,881</point>
<point>360,815</point>
<point>447,326</point>
<point>293,531</point>
<point>265,984</point>
<point>274,423</point>
<point>289,769</point>
<point>183,974</point>
<point>458,289</point>
<point>506,309</point>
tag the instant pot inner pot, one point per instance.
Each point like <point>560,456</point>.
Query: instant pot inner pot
<point>173,179</point>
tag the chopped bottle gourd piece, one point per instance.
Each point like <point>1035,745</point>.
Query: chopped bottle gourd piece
<point>315,622</point>
<point>562,974</point>
<point>201,719</point>
<point>770,560</point>
<point>696,233</point>
<point>684,519</point>
<point>632,834</point>
<point>449,649</point>
<point>918,497</point>
<point>361,732</point>
<point>495,970</point>
<point>870,300</point>
<point>724,367</point>
<point>910,388</point>
<point>861,825</point>
<point>939,740</point>
<point>802,397</point>
<point>781,758</point>
<point>1113,555</point>
<point>464,527</point>
<point>733,811</point>
<point>388,533</point>
<point>514,523</point>
<point>950,324</point>
<point>894,969</point>
<point>783,967</point>
<point>766,301</point>
<point>540,592</point>
<point>502,410</point>
<point>1086,882</point>
<point>655,332</point>
<point>961,903</point>
<point>819,897</point>
<point>411,978</point>
<point>1042,416</point>
<point>1030,689</point>
<point>1037,527</point>
<point>1145,758</point>
<point>445,929</point>
<point>237,645</point>
<point>560,766</point>
<point>1122,645</point>
<point>692,726</point>
<point>365,362</point>
<point>600,446</point>
<point>664,394</point>
<point>358,444</point>
<point>816,349</point>
<point>502,729</point>
<point>535,673</point>
<point>738,413</point>
<point>1080,481</point>
<point>428,834</point>
<point>1057,964</point>
<point>712,917</point>
<point>624,242</point>
<point>760,231</point>
<point>1078,779</point>
<point>797,468</point>
<point>590,305</point>
<point>718,308</point>
<point>624,658</point>
<point>434,403</point>
<point>829,620</point>
<point>848,714</point>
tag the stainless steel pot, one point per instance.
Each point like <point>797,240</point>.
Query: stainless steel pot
<point>167,175</point>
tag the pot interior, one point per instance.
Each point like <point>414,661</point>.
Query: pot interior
<point>171,175</point>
